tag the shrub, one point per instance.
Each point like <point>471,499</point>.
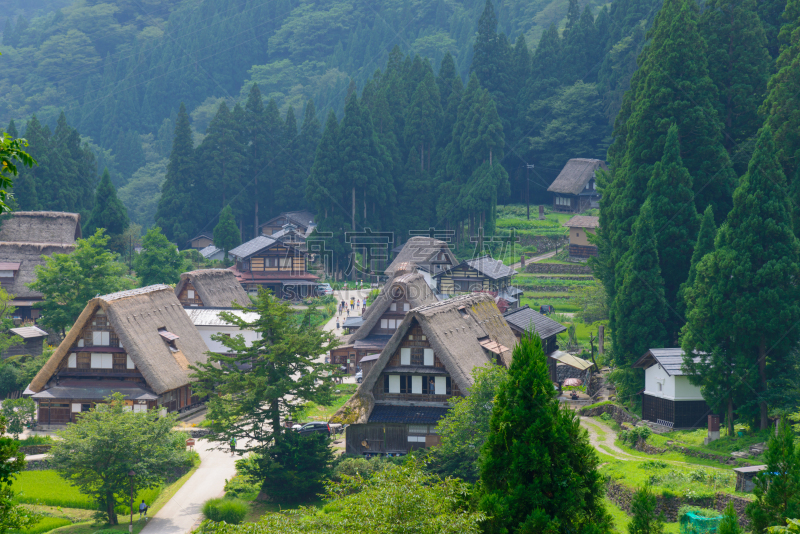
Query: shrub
<point>653,464</point>
<point>633,435</point>
<point>358,466</point>
<point>702,512</point>
<point>605,416</point>
<point>231,511</point>
<point>243,487</point>
<point>45,524</point>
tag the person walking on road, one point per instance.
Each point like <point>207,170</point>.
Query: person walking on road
<point>143,510</point>
<point>233,446</point>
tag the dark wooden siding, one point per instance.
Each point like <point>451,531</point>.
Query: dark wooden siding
<point>682,414</point>
<point>184,296</point>
<point>32,347</point>
<point>582,251</point>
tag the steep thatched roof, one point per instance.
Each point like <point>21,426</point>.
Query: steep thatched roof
<point>408,285</point>
<point>217,288</point>
<point>53,227</point>
<point>136,317</point>
<point>421,250</point>
<point>28,255</point>
<point>575,175</point>
<point>455,329</point>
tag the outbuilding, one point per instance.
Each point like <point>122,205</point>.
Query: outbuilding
<point>669,398</point>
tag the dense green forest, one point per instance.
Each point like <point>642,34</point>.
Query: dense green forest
<point>120,71</point>
<point>699,216</point>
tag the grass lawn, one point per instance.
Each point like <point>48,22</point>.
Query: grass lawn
<point>312,411</point>
<point>45,524</point>
<point>621,520</point>
<point>560,304</point>
<point>90,527</point>
<point>693,439</point>
<point>46,487</point>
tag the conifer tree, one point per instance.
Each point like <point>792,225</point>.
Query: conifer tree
<point>675,223</point>
<point>704,245</point>
<point>739,65</point>
<point>749,282</point>
<point>254,136</point>
<point>643,508</point>
<point>176,212</point>
<point>220,155</point>
<point>729,524</point>
<point>108,211</point>
<point>226,234</point>
<point>640,304</point>
<point>444,80</point>
<point>423,120</point>
<point>781,106</point>
<point>777,488</point>
<point>770,12</point>
<point>538,470</point>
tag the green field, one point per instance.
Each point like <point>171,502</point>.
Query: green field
<point>46,524</point>
<point>312,411</point>
<point>46,487</point>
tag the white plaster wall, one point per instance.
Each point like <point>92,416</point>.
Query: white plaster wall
<point>653,376</point>
<point>215,346</point>
<point>673,387</point>
<point>684,390</point>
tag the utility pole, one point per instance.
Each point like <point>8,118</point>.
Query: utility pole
<point>528,167</point>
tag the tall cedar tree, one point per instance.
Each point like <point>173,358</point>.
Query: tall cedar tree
<point>777,488</point>
<point>220,155</point>
<point>770,12</point>
<point>226,234</point>
<point>255,141</point>
<point>645,520</point>
<point>281,374</point>
<point>753,269</point>
<point>177,207</point>
<point>538,470</point>
<point>675,223</point>
<point>704,245</point>
<point>108,212</point>
<point>484,51</point>
<point>640,308</point>
<point>671,86</point>
<point>739,65</point>
<point>782,107</point>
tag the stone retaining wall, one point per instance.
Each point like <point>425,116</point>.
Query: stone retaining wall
<point>198,432</point>
<point>35,449</point>
<point>37,465</point>
<point>540,289</point>
<point>727,460</point>
<point>622,496</point>
<point>557,268</point>
<point>618,413</point>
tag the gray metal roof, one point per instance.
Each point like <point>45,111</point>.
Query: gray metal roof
<point>492,268</point>
<point>211,316</point>
<point>373,342</point>
<point>522,318</point>
<point>28,332</point>
<point>209,251</point>
<point>94,390</point>
<point>421,415</point>
<point>249,248</point>
<point>353,322</point>
<point>670,359</point>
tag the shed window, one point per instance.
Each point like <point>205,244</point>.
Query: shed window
<point>76,406</point>
<point>80,342</point>
<point>101,339</point>
<point>417,429</point>
<point>130,363</point>
<point>405,356</point>
<point>394,383</point>
<point>384,324</point>
<point>416,384</point>
<point>102,361</point>
<point>428,357</point>
<point>406,306</point>
<point>441,385</point>
<point>405,384</point>
<point>393,306</point>
<point>286,263</point>
<point>190,293</point>
<point>72,362</point>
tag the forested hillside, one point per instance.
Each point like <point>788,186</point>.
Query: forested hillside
<point>120,71</point>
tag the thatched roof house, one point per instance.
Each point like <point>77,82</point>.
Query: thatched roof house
<point>429,359</point>
<point>406,291</point>
<point>139,342</point>
<point>575,188</point>
<point>427,253</point>
<point>302,220</point>
<point>26,236</point>
<point>211,288</point>
<point>54,227</point>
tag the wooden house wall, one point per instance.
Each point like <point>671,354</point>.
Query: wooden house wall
<point>477,281</point>
<point>274,260</point>
<point>377,438</point>
<point>682,414</point>
<point>59,411</point>
<point>397,315</point>
<point>32,347</point>
<point>201,242</point>
<point>179,399</point>
<point>184,298</point>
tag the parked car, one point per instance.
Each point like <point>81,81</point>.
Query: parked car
<point>359,376</point>
<point>316,426</point>
<point>324,289</point>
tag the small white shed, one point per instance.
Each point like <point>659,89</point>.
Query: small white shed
<point>669,397</point>
<point>209,322</point>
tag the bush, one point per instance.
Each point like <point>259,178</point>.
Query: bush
<point>358,466</point>
<point>45,524</point>
<point>653,464</point>
<point>635,434</point>
<point>231,511</point>
<point>242,487</point>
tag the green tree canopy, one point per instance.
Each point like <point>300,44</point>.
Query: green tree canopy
<point>159,262</point>
<point>538,470</point>
<point>226,234</point>
<point>98,452</point>
<point>108,212</point>
<point>69,281</point>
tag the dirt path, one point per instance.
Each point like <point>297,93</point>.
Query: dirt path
<point>517,266</point>
<point>606,445</point>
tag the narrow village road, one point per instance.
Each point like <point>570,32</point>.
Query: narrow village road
<point>533,259</point>
<point>182,513</point>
